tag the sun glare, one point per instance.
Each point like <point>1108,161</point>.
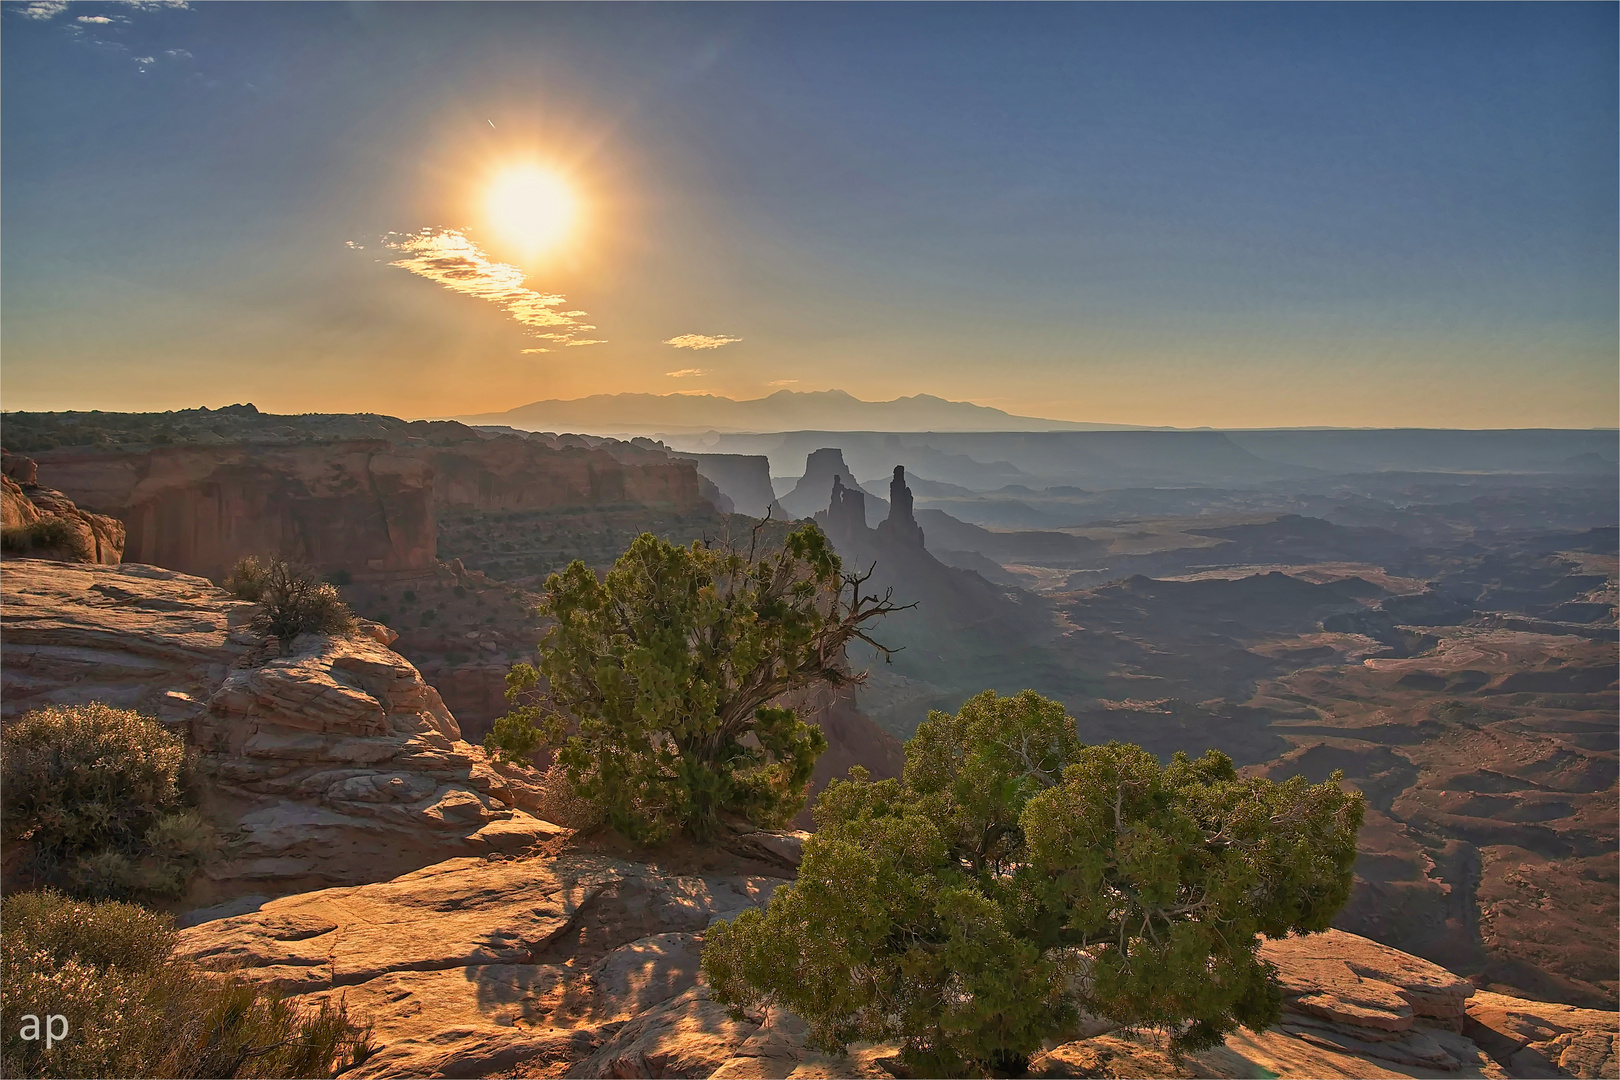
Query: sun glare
<point>530,208</point>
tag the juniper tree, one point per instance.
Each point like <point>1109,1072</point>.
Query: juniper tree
<point>1015,878</point>
<point>670,672</point>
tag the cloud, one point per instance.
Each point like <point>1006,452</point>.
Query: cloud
<point>686,373</point>
<point>449,258</point>
<point>178,54</point>
<point>145,61</point>
<point>782,382</point>
<point>701,341</point>
<point>526,352</point>
<point>45,10</point>
<point>42,9</point>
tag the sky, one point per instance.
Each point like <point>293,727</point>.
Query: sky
<point>1235,215</point>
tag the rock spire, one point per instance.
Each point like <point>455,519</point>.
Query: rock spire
<point>901,524</point>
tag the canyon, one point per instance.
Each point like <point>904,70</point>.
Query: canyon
<point>374,858</point>
<point>1447,639</point>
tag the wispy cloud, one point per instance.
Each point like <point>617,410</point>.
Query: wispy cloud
<point>449,258</point>
<point>686,373</point>
<point>42,9</point>
<point>701,341</point>
<point>527,352</point>
<point>783,382</point>
<point>45,10</point>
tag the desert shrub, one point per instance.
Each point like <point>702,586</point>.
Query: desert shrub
<point>47,536</point>
<point>246,579</point>
<point>95,791</point>
<point>340,578</point>
<point>295,601</point>
<point>427,616</point>
<point>1015,879</point>
<point>667,668</point>
<point>133,1009</point>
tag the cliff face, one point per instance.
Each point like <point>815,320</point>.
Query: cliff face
<point>366,506</point>
<point>745,479</point>
<point>360,506</point>
<point>514,473</point>
<point>43,523</point>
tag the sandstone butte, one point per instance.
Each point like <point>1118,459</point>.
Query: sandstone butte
<point>376,858</point>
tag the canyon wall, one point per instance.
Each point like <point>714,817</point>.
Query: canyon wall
<point>358,505</point>
<point>514,473</point>
<point>367,506</point>
<point>743,478</point>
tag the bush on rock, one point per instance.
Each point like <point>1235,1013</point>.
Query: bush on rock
<point>132,1009</point>
<point>1015,879</point>
<point>293,598</point>
<point>96,793</point>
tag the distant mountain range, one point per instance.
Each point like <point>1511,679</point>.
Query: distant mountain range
<point>785,410</point>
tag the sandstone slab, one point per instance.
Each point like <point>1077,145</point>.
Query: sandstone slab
<point>1534,1036</point>
<point>472,965</point>
<point>1355,981</point>
<point>329,762</point>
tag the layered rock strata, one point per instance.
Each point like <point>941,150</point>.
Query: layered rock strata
<point>361,505</point>
<point>41,522</point>
<point>332,764</point>
<point>367,506</point>
<point>584,964</point>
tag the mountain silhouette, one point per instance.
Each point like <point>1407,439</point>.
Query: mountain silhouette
<point>785,410</point>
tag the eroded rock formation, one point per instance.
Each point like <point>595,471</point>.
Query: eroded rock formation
<point>821,469</point>
<point>43,523</point>
<point>901,524</point>
<point>332,764</point>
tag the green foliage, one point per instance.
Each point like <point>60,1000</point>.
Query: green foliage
<point>293,598</point>
<point>132,1009</point>
<point>44,538</point>
<point>668,668</point>
<point>1014,879</point>
<point>95,792</point>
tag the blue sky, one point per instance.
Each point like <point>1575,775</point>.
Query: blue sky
<point>1233,214</point>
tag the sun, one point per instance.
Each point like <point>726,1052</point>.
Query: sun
<point>531,208</point>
